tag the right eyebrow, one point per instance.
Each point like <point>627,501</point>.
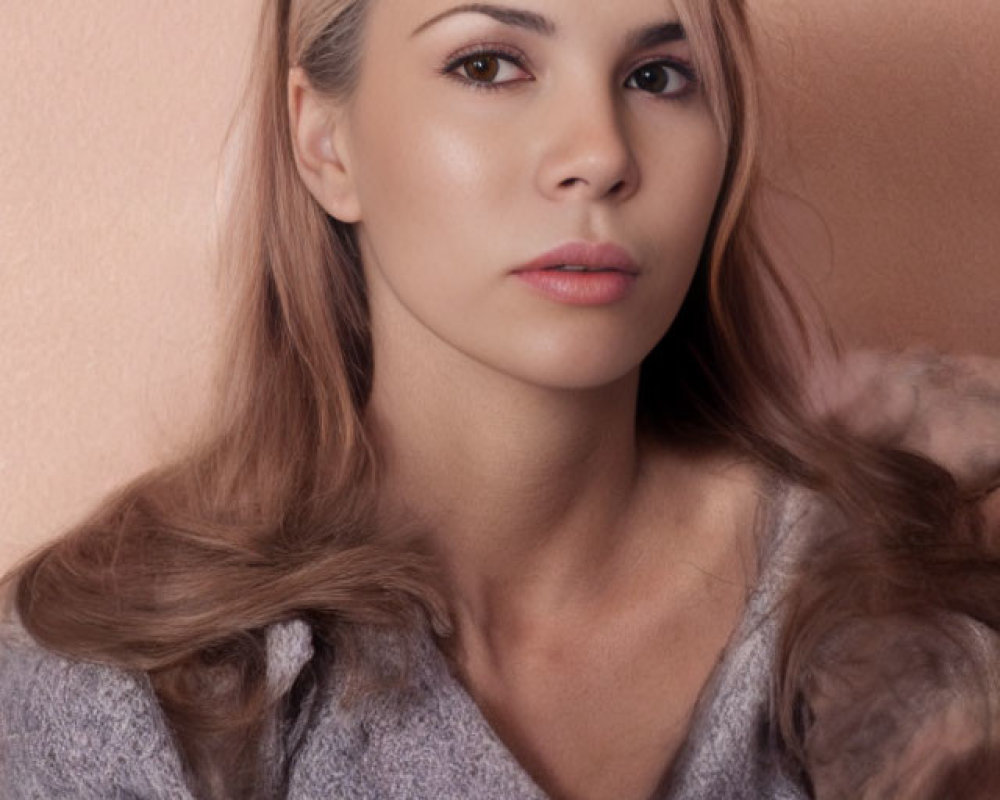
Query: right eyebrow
<point>519,18</point>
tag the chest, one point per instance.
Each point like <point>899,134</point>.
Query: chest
<point>604,715</point>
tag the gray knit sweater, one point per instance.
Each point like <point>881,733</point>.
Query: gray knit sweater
<point>81,731</point>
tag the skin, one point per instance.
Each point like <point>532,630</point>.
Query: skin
<point>594,576</point>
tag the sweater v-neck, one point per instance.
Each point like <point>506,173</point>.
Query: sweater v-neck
<point>433,740</point>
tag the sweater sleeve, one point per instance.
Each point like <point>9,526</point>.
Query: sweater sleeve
<point>78,730</point>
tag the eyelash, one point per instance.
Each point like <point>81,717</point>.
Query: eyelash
<point>503,53</point>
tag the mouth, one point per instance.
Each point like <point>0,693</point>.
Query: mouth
<point>583,257</point>
<point>578,268</point>
<point>580,285</point>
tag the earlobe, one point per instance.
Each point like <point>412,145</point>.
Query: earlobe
<point>318,141</point>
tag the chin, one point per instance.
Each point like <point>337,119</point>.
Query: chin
<point>577,366</point>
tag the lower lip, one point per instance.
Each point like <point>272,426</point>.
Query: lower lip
<point>580,288</point>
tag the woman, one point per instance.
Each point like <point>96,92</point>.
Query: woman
<point>515,488</point>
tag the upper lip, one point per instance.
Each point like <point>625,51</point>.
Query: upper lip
<point>603,255</point>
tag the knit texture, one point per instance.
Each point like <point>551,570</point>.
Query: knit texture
<point>86,731</point>
<point>82,731</point>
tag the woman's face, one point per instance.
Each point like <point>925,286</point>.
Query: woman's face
<point>481,137</point>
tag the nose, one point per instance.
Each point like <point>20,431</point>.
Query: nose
<point>586,153</point>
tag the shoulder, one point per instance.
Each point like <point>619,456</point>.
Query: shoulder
<point>944,406</point>
<point>76,729</point>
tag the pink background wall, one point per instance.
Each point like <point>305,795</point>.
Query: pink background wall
<point>887,121</point>
<point>112,117</point>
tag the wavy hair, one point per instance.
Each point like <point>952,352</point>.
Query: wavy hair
<point>273,516</point>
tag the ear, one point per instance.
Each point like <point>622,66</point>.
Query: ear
<point>318,129</point>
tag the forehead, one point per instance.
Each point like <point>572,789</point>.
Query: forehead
<point>626,23</point>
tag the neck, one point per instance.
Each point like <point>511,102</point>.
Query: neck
<point>520,488</point>
<point>535,499</point>
<point>511,482</point>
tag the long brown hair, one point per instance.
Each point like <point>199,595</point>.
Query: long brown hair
<point>273,516</point>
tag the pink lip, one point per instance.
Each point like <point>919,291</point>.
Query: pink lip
<point>584,254</point>
<point>612,274</point>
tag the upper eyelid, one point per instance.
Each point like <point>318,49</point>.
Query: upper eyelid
<point>487,48</point>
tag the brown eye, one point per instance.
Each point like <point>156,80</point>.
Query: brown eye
<point>661,78</point>
<point>652,79</point>
<point>487,69</point>
<point>482,68</point>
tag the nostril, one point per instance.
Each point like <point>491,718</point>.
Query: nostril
<point>617,189</point>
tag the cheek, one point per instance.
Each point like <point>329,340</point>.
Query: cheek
<point>424,169</point>
<point>684,172</point>
<point>686,166</point>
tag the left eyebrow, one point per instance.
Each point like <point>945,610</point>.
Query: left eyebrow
<point>639,39</point>
<point>653,35</point>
